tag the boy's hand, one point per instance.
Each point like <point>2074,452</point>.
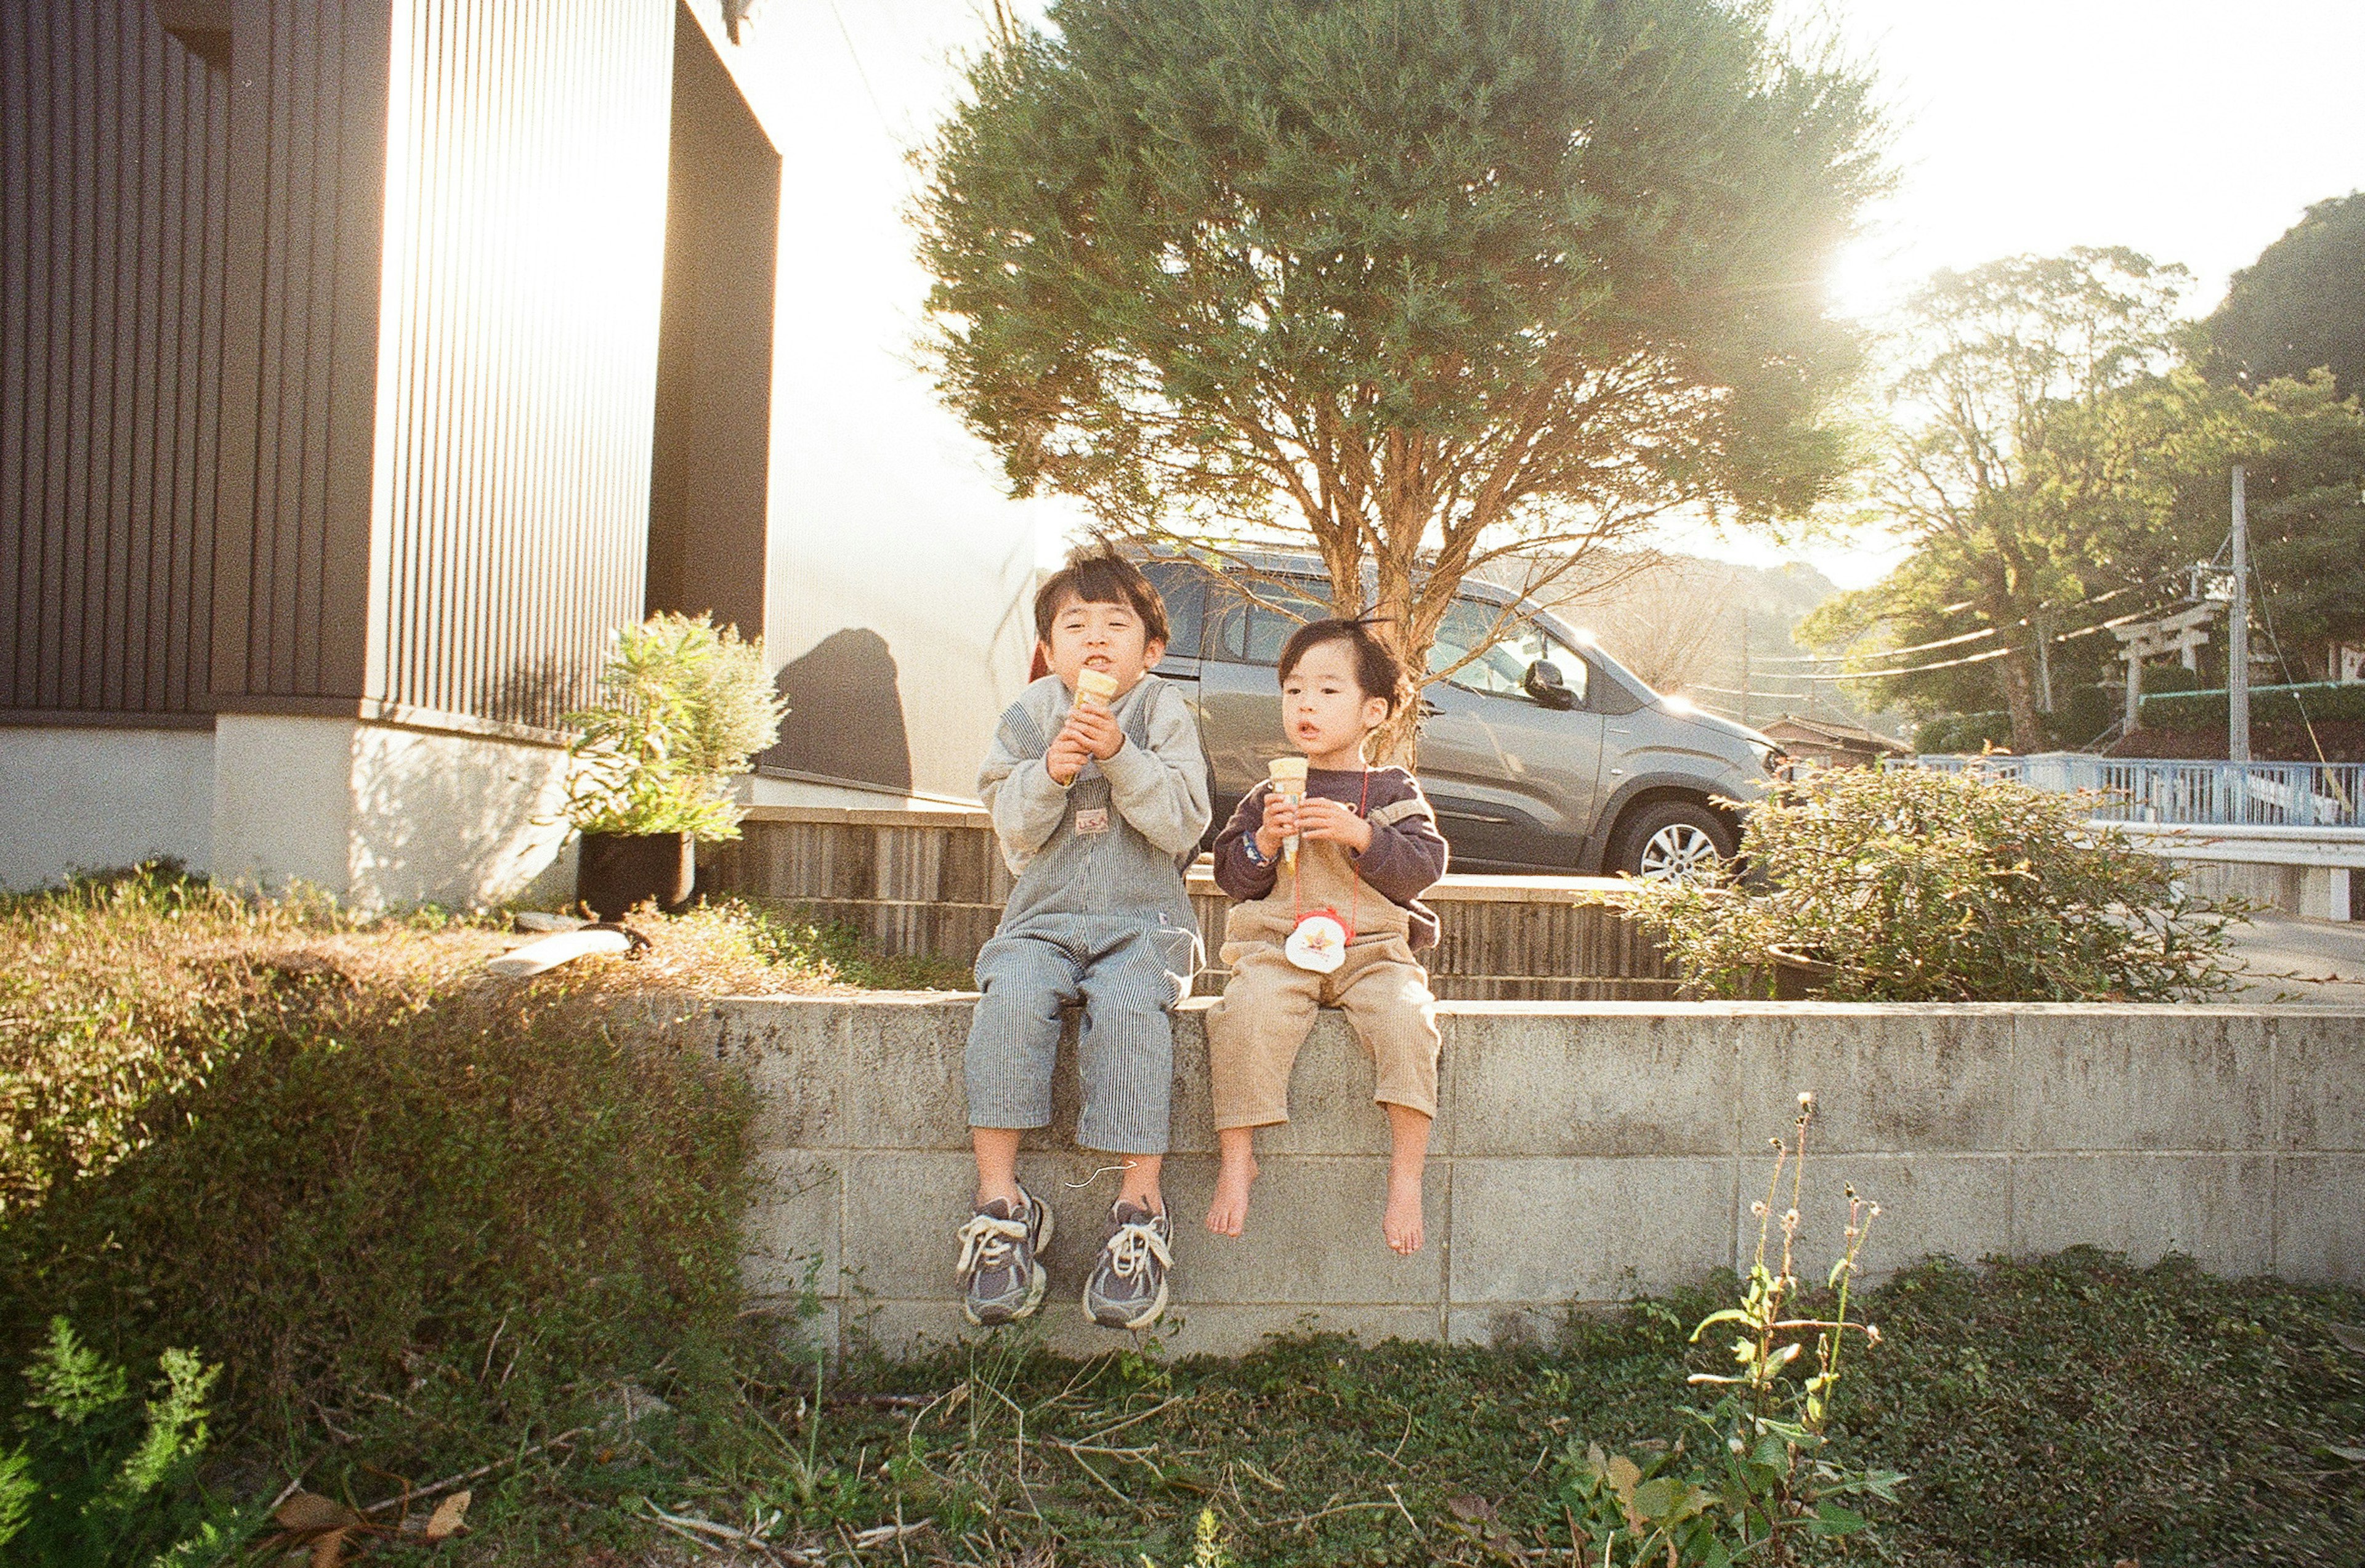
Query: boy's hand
<point>1066,758</point>
<point>1333,822</point>
<point>1279,822</point>
<point>1096,729</point>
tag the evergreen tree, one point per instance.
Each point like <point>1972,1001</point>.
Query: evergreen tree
<point>1415,284</point>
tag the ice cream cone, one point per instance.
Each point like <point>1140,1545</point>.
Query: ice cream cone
<point>1288,774</point>
<point>1094,690</point>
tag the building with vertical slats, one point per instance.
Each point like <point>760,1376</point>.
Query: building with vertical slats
<point>365,362</point>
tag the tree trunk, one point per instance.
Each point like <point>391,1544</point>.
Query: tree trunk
<point>1398,742</point>
<point>2020,701</point>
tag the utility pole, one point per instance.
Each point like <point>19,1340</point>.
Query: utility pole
<point>2237,637</point>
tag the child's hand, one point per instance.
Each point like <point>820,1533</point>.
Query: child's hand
<point>1279,822</point>
<point>1066,758</point>
<point>1096,729</point>
<point>1333,822</point>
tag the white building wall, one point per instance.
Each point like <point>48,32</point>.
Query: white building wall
<point>383,818</point>
<point>894,546</point>
<point>93,799</point>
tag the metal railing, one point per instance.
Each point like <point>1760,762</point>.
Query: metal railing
<point>2146,790</point>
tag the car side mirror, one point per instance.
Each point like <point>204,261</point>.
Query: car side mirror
<point>1544,682</point>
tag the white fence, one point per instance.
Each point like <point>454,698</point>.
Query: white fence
<point>2141,790</point>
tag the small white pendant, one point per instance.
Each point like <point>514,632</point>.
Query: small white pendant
<point>1319,943</point>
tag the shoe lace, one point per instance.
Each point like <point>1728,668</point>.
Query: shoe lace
<point>986,1242</point>
<point>1135,1243</point>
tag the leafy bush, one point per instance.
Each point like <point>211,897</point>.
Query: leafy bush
<point>2165,679</point>
<point>101,1476</point>
<point>1963,733</point>
<point>2082,714</point>
<point>2316,700</point>
<point>114,992</point>
<point>686,707</point>
<point>399,1201</point>
<point>1920,886</point>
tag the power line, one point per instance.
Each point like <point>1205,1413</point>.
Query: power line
<point>1967,636</point>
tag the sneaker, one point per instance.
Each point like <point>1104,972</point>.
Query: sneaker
<point>1002,1279</point>
<point>1127,1288</point>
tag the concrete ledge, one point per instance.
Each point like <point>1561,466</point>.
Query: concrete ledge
<point>1583,1152</point>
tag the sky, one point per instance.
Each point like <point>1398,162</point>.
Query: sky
<point>2194,132</point>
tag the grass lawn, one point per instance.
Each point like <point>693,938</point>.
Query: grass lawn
<point>429,1227</point>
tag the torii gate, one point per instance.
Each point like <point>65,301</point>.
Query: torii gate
<point>2180,632</point>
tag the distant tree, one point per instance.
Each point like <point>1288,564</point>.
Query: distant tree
<point>2299,306</point>
<point>1414,283</point>
<point>1993,467</point>
<point>2138,481</point>
<point>2303,451</point>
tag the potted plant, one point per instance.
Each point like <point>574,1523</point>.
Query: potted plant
<point>683,708</point>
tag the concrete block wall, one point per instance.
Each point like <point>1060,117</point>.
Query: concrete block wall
<point>1583,1153</point>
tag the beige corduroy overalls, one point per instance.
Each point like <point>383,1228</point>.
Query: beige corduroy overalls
<point>1255,1029</point>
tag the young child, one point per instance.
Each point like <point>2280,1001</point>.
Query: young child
<point>1367,848</point>
<point>1099,802</point>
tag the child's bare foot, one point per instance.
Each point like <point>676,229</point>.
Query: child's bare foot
<point>1229,1212</point>
<point>1400,1223</point>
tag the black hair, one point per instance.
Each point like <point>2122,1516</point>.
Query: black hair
<point>1103,577</point>
<point>1378,672</point>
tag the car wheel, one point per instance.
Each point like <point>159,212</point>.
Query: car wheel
<point>1675,841</point>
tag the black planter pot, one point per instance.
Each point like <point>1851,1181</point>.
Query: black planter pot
<point>1797,975</point>
<point>616,871</point>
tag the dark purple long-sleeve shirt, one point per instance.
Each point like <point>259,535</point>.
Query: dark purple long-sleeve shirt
<point>1405,860</point>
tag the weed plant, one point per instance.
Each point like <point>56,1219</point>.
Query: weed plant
<point>430,1228</point>
<point>1763,1487</point>
<point>2053,1414</point>
<point>91,1474</point>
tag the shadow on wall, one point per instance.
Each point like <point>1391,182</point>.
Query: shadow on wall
<point>538,689</point>
<point>846,712</point>
<point>457,821</point>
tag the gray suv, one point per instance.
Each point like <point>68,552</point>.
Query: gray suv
<point>1543,754</point>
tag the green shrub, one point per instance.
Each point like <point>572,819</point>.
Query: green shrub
<point>397,1201</point>
<point>116,991</point>
<point>684,708</point>
<point>1920,886</point>
<point>100,1476</point>
<point>2082,713</point>
<point>2317,702</point>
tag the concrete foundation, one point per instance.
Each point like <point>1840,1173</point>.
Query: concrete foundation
<point>2315,872</point>
<point>1584,1153</point>
<point>89,800</point>
<point>384,817</point>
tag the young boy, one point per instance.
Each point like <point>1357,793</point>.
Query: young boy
<point>1366,847</point>
<point>1099,802</point>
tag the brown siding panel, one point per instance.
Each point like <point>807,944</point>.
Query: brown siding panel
<point>308,144</point>
<point>113,151</point>
<point>527,173</point>
<point>326,380</point>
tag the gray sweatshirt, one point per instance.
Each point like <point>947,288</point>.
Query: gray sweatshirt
<point>1116,841</point>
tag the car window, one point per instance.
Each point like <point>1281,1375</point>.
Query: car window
<point>1254,631</point>
<point>1502,669</point>
<point>1184,586</point>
